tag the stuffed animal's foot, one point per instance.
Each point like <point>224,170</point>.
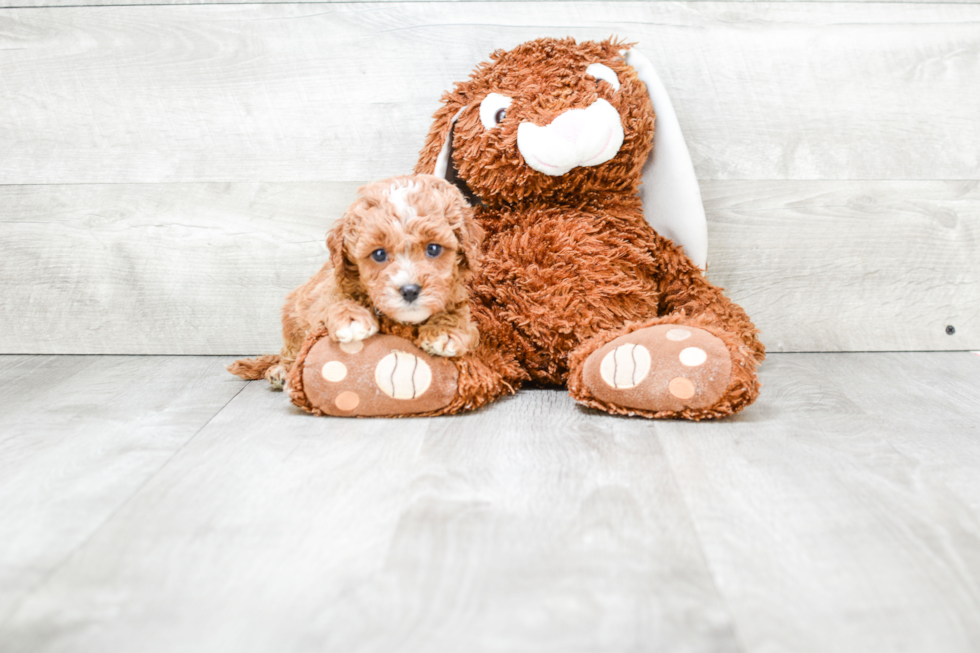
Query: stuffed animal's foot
<point>661,370</point>
<point>381,376</point>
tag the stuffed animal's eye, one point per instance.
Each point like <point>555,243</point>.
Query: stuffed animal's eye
<point>433,250</point>
<point>603,72</point>
<point>379,255</point>
<point>493,109</point>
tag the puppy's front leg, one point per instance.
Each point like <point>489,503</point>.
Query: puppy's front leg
<point>348,321</point>
<point>449,334</point>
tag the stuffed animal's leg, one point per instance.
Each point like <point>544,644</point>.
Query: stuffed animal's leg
<point>673,366</point>
<point>389,376</point>
<point>382,375</point>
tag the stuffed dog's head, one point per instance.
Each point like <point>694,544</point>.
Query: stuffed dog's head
<point>549,118</point>
<point>406,246</point>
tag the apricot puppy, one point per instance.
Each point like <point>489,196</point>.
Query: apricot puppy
<point>405,250</point>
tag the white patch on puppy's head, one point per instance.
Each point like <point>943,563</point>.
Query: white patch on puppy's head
<point>398,197</point>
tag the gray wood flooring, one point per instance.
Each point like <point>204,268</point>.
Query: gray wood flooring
<point>159,504</point>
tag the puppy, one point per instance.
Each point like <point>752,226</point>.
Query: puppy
<point>404,250</point>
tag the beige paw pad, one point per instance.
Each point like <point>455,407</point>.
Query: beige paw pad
<point>352,347</point>
<point>625,366</point>
<point>678,334</point>
<point>681,388</point>
<point>347,400</point>
<point>401,375</point>
<point>693,356</point>
<point>334,371</point>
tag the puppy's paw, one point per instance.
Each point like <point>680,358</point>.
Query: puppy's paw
<point>277,376</point>
<point>445,343</point>
<point>358,328</point>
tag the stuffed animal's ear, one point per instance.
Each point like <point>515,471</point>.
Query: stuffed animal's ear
<point>671,195</point>
<point>444,162</point>
<point>436,157</point>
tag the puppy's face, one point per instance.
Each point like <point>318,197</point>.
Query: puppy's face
<point>409,240</point>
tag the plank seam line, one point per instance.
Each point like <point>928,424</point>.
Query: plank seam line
<point>68,557</point>
<point>375,3</point>
<point>736,637</point>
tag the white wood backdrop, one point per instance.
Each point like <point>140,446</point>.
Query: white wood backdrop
<point>167,173</point>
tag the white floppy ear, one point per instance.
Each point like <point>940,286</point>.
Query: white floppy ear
<point>442,162</point>
<point>670,192</point>
<point>446,169</point>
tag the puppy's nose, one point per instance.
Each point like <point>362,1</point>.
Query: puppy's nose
<point>410,292</point>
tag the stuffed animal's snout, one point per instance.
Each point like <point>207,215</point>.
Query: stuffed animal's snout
<point>578,137</point>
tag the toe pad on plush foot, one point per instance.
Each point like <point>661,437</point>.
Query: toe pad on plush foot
<point>663,368</point>
<point>377,377</point>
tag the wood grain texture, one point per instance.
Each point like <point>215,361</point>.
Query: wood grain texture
<point>103,3</point>
<point>928,411</point>
<point>532,526</point>
<point>79,436</point>
<point>344,92</point>
<point>157,269</point>
<point>205,268</point>
<point>850,266</point>
<point>840,513</point>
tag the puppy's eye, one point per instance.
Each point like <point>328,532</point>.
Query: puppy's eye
<point>379,255</point>
<point>493,108</point>
<point>433,250</point>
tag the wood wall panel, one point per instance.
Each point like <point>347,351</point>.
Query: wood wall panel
<point>157,268</point>
<point>168,172</point>
<point>108,3</point>
<point>344,92</point>
<point>204,268</point>
<point>850,266</point>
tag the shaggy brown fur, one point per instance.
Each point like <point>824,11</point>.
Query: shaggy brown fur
<point>570,263</point>
<point>426,236</point>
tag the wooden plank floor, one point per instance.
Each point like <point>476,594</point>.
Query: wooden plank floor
<point>159,504</point>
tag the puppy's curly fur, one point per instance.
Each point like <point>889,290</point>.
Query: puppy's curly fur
<point>402,254</point>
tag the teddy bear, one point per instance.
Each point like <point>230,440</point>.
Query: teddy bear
<point>592,269</point>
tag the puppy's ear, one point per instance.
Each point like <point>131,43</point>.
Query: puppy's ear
<point>344,269</point>
<point>469,235</point>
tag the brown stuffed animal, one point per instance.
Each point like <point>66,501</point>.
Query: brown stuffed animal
<point>549,141</point>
